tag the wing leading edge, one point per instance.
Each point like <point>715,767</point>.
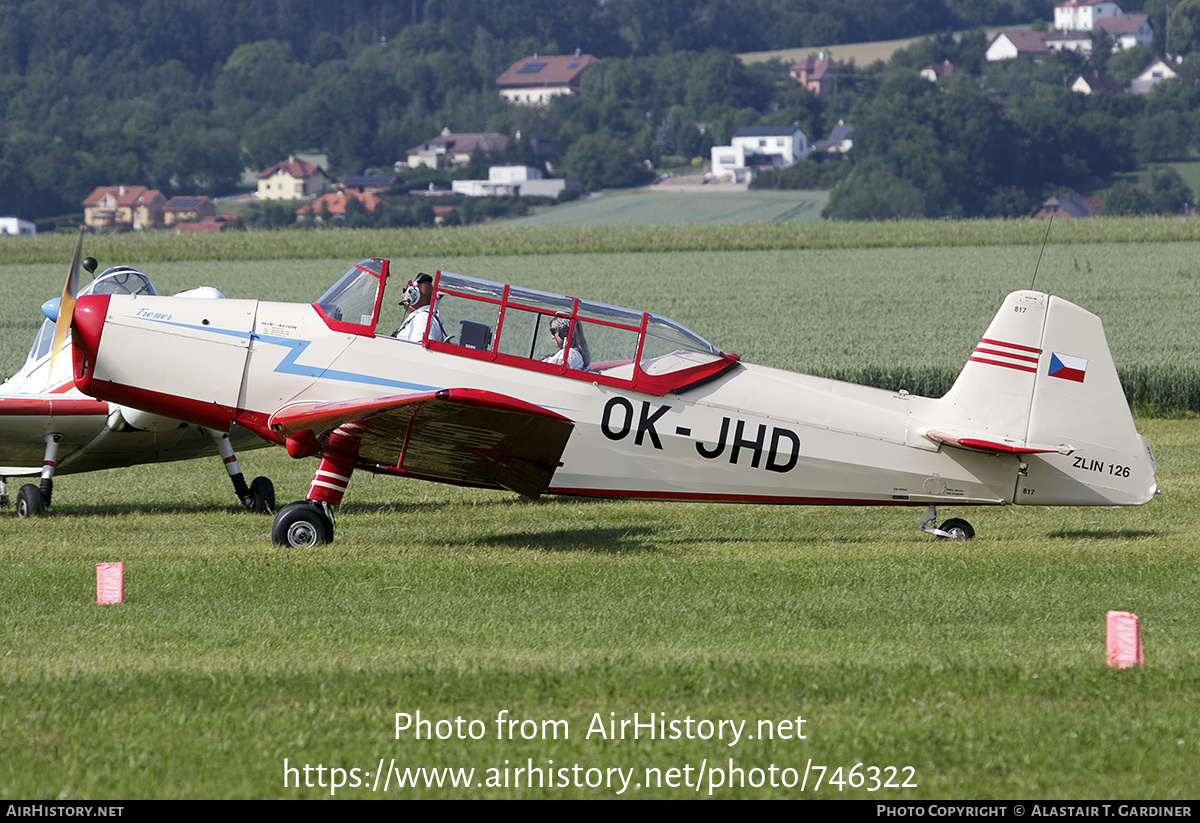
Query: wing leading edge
<point>465,436</point>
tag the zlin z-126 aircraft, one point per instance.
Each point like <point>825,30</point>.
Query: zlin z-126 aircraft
<point>512,388</point>
<point>49,427</point>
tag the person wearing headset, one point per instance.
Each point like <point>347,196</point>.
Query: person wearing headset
<point>578,356</point>
<point>418,294</point>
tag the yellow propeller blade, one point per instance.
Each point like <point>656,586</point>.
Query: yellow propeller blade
<point>66,307</point>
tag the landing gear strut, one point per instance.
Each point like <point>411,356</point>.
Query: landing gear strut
<point>953,529</point>
<point>34,500</point>
<point>308,523</point>
<point>259,496</point>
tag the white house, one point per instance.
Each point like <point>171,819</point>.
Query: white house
<point>293,179</point>
<point>524,181</point>
<point>1079,42</point>
<point>534,80</point>
<point>1127,30</point>
<point>15,225</point>
<point>759,146</point>
<point>1158,71</point>
<point>1008,45</point>
<point>1083,15</point>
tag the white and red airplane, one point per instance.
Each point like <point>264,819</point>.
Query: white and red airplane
<point>49,427</point>
<point>637,407</point>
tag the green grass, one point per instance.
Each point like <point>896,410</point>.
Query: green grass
<point>979,664</point>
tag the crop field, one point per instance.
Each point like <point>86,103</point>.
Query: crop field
<point>699,206</point>
<point>898,316</point>
<point>531,636</point>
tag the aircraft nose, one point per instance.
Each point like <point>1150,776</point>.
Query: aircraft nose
<point>87,326</point>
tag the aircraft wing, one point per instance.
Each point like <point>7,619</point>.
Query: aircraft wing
<point>26,420</point>
<point>466,436</point>
<point>991,445</point>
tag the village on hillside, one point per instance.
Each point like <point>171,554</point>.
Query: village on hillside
<point>305,179</point>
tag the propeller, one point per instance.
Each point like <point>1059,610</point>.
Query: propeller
<point>66,306</point>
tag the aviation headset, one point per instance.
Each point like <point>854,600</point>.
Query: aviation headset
<point>411,293</point>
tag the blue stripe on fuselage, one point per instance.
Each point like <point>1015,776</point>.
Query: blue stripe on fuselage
<point>288,364</point>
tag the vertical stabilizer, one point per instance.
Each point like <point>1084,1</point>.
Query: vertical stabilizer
<point>993,393</point>
<point>1041,384</point>
<point>1078,400</point>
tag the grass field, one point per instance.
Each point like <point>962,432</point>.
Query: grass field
<point>862,54</point>
<point>973,669</point>
<point>980,665</point>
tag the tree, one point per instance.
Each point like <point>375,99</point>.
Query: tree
<point>1183,28</point>
<point>1126,198</point>
<point>873,191</point>
<point>600,161</point>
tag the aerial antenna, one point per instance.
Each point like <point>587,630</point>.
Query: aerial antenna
<point>1043,251</point>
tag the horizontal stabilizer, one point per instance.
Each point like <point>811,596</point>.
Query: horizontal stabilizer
<point>991,445</point>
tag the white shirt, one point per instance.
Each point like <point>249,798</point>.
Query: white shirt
<point>574,359</point>
<point>412,329</point>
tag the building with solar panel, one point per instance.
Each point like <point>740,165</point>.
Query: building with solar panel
<point>534,80</point>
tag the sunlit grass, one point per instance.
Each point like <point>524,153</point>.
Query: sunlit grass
<point>980,664</point>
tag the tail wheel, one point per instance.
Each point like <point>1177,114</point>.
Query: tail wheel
<point>30,502</point>
<point>302,525</point>
<point>262,492</point>
<point>958,529</point>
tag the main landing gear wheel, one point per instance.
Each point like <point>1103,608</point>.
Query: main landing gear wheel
<point>262,493</point>
<point>302,525</point>
<point>30,502</point>
<point>957,529</point>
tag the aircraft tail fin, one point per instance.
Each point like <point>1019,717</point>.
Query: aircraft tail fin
<point>1041,384</point>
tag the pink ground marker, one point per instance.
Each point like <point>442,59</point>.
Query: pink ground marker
<point>1124,640</point>
<point>110,583</point>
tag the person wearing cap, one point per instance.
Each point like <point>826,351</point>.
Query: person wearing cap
<point>418,294</point>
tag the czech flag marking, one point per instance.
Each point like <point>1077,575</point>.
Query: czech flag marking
<point>1067,366</point>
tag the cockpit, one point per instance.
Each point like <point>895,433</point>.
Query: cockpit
<point>539,331</point>
<point>114,280</point>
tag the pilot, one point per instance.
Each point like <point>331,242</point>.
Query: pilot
<point>578,356</point>
<point>418,293</point>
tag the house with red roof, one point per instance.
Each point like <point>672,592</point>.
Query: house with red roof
<point>205,225</point>
<point>292,179</point>
<point>536,79</point>
<point>332,206</point>
<point>129,207</point>
<point>1096,82</point>
<point>187,208</point>
<point>817,73</point>
<point>1083,15</point>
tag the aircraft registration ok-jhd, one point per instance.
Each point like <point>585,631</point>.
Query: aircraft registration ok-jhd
<point>49,427</point>
<point>508,387</point>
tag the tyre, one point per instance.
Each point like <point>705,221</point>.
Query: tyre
<point>958,529</point>
<point>262,490</point>
<point>30,502</point>
<point>301,525</point>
